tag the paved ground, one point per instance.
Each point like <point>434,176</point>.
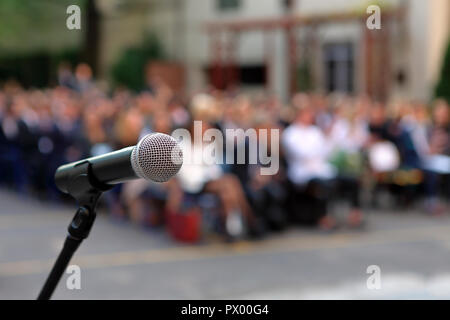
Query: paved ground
<point>120,261</point>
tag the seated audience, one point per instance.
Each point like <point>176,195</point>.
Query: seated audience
<point>325,141</point>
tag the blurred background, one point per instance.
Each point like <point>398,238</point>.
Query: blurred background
<point>363,117</point>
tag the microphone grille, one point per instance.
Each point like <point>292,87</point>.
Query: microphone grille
<point>157,157</point>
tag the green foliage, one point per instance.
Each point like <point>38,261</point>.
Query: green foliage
<point>443,86</point>
<point>34,40</point>
<point>30,25</point>
<point>304,77</point>
<point>130,68</point>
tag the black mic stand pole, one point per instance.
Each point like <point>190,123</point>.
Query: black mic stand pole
<point>86,190</point>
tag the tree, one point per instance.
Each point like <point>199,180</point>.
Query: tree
<point>130,67</point>
<point>34,39</point>
<point>443,86</point>
<point>30,26</point>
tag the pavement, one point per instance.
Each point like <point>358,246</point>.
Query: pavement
<point>122,261</point>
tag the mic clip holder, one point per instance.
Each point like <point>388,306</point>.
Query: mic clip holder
<point>86,189</point>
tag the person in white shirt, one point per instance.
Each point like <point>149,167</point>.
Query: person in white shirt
<point>306,150</point>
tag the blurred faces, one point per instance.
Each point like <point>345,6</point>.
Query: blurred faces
<point>129,127</point>
<point>162,122</point>
<point>94,127</point>
<point>441,114</point>
<point>377,114</point>
<point>83,72</point>
<point>306,116</point>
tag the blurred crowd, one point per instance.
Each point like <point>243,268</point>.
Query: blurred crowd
<point>333,149</point>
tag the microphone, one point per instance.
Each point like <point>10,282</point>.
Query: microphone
<point>156,157</point>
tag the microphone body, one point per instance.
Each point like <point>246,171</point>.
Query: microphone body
<point>156,157</point>
<point>110,168</point>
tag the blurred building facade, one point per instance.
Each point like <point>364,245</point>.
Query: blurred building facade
<point>249,41</point>
<point>331,52</point>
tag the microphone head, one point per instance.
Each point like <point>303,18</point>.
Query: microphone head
<point>157,157</point>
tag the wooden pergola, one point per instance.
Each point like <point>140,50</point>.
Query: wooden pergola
<point>377,47</point>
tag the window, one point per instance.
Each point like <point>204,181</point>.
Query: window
<point>252,74</point>
<point>228,4</point>
<point>226,75</point>
<point>339,66</point>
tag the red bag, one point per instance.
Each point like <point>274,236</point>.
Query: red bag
<point>185,226</point>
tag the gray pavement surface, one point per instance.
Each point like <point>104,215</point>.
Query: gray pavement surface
<point>122,261</point>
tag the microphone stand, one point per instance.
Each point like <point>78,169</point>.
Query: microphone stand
<point>86,190</point>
